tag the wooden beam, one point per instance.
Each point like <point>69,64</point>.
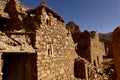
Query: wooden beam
<point>19,33</point>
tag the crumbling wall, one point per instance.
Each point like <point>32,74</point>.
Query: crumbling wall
<point>116,49</point>
<point>90,47</point>
<point>20,7</point>
<point>16,13</point>
<point>15,43</point>
<point>97,49</point>
<point>4,17</point>
<point>55,43</point>
<point>83,45</point>
<point>74,30</point>
<point>2,6</point>
<point>81,68</point>
<point>55,50</point>
<point>109,49</point>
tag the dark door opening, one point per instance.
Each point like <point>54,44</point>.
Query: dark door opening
<point>98,60</point>
<point>95,63</point>
<point>79,68</point>
<point>16,66</point>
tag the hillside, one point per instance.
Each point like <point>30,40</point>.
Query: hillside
<point>105,36</point>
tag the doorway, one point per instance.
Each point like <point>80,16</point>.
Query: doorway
<point>16,66</point>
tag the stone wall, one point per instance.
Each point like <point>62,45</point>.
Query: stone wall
<point>20,6</point>
<point>10,12</point>
<point>97,49</point>
<point>42,29</point>
<point>88,45</point>
<point>107,39</point>
<point>81,68</point>
<point>16,45</point>
<point>109,49</point>
<point>55,49</point>
<point>83,45</point>
<point>74,30</point>
<point>2,6</point>
<point>44,33</point>
<point>116,50</point>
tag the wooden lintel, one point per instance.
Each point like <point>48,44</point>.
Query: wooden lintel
<point>20,33</point>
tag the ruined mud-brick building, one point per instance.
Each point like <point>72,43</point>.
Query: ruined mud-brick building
<point>34,44</point>
<point>116,50</point>
<point>95,48</point>
<point>88,44</point>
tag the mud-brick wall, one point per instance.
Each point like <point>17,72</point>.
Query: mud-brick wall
<point>56,51</point>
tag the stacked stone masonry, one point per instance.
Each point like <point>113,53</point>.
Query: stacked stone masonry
<point>35,45</point>
<point>88,44</point>
<point>116,50</point>
<point>55,49</point>
<point>41,45</point>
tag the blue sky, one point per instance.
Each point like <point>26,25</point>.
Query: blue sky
<point>99,15</point>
